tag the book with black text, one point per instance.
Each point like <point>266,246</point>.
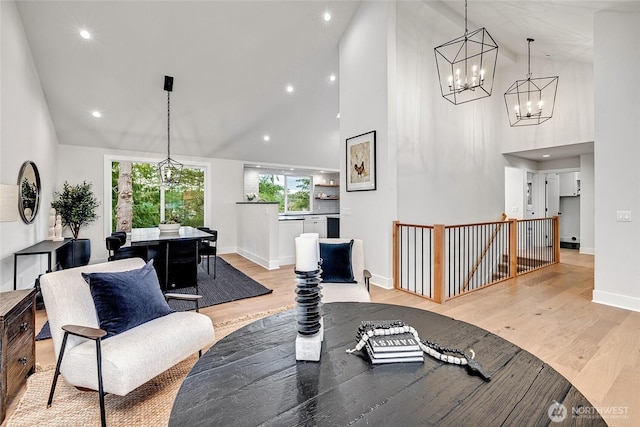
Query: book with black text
<point>394,343</point>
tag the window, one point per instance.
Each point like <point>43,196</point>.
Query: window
<point>291,192</point>
<point>151,202</point>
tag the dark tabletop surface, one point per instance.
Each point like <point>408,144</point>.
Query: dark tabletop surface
<point>251,378</point>
<point>143,236</point>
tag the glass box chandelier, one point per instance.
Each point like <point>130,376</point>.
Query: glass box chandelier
<point>467,65</point>
<point>170,171</point>
<point>531,101</point>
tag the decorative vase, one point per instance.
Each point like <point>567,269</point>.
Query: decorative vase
<point>169,228</point>
<point>75,254</point>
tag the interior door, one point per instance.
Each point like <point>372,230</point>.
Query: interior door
<point>531,195</point>
<point>552,195</point>
<point>552,203</point>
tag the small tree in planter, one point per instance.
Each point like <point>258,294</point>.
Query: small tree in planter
<point>76,205</point>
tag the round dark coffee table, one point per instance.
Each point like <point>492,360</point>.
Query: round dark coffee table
<point>251,378</point>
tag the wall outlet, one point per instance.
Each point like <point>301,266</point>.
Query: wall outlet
<point>623,216</point>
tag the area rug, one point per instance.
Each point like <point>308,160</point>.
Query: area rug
<point>148,405</point>
<point>229,285</point>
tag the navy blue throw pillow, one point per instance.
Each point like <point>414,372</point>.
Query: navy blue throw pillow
<point>126,299</point>
<point>336,262</point>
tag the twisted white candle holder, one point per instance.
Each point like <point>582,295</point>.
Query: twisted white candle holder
<point>308,315</point>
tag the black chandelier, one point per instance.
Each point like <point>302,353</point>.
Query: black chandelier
<point>531,101</point>
<point>170,171</point>
<point>467,65</point>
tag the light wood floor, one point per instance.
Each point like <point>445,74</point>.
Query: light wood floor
<point>548,313</point>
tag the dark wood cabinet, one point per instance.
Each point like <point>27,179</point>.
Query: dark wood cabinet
<point>17,342</point>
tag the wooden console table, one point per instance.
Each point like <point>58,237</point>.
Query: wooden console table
<point>251,378</point>
<point>46,247</point>
<point>17,342</point>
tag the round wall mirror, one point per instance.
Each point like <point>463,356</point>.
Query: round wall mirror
<point>29,183</point>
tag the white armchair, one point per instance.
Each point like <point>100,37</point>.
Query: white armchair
<point>348,292</point>
<point>124,361</point>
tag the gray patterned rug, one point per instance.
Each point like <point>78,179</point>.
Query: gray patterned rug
<point>229,285</point>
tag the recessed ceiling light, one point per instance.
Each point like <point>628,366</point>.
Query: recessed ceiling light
<point>338,116</point>
<point>332,78</point>
<point>266,137</point>
<point>327,17</point>
<point>289,88</point>
<point>96,114</point>
<point>546,155</point>
<point>85,34</point>
<point>258,166</point>
<point>291,169</point>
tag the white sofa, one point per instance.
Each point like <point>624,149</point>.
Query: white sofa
<point>130,358</point>
<point>349,292</point>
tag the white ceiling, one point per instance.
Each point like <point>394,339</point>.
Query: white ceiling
<point>232,60</point>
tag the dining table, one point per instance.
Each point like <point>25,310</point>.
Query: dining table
<point>153,235</point>
<point>156,243</point>
<point>252,378</point>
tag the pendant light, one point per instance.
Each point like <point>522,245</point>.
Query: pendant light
<point>170,171</point>
<point>467,65</point>
<point>531,101</point>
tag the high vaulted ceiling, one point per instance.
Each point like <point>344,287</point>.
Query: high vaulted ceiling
<point>232,61</point>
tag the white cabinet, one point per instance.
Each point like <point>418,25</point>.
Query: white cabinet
<point>569,184</point>
<point>316,224</point>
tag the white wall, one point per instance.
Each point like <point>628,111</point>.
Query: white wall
<point>77,164</point>
<point>26,133</point>
<point>573,117</point>
<point>587,205</point>
<point>450,166</point>
<point>367,102</point>
<point>514,192</point>
<point>617,160</point>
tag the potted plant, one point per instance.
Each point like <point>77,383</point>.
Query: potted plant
<point>76,205</point>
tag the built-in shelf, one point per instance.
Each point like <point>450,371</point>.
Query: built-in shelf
<point>328,198</point>
<point>327,185</point>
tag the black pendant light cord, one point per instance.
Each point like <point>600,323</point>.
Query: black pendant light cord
<point>168,124</point>
<point>529,58</point>
<point>466,30</point>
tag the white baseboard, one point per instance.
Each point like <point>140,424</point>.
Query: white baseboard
<point>287,260</point>
<point>616,300</point>
<point>587,251</point>
<point>382,282</point>
<point>268,264</point>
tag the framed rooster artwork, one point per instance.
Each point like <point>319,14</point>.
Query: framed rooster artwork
<point>361,162</point>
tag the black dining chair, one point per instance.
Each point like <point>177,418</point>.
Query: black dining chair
<point>209,248</point>
<point>117,250</point>
<point>181,264</point>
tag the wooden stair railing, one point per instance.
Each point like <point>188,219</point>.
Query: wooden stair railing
<point>484,252</point>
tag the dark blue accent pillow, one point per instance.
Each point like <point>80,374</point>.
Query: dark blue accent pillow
<point>126,299</point>
<point>336,262</point>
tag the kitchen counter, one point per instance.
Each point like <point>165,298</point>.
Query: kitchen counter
<point>301,217</point>
<point>258,233</point>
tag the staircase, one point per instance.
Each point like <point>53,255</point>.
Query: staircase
<point>525,263</point>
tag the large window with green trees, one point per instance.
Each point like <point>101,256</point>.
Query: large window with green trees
<point>149,202</point>
<point>291,192</point>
